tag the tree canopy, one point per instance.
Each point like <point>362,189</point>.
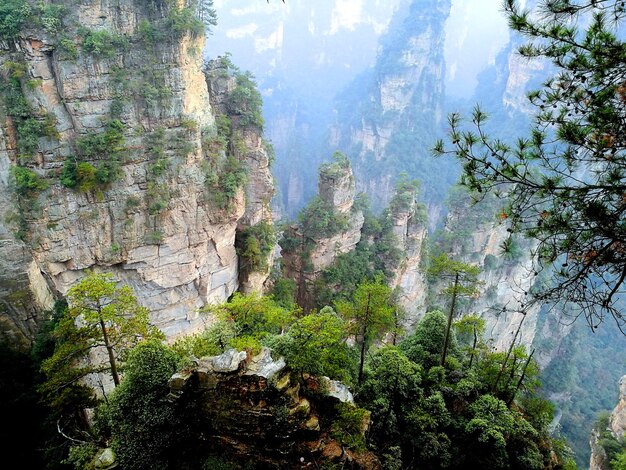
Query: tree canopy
<point>565,182</point>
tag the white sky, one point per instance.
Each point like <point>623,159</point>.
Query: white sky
<point>476,31</point>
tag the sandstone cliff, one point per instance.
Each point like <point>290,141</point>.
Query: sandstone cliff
<point>130,173</point>
<point>408,279</point>
<point>329,226</point>
<point>387,119</point>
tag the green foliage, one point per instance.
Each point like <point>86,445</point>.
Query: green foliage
<point>284,293</point>
<point>150,33</point>
<point>211,342</point>
<point>29,125</point>
<point>339,165</point>
<point>347,429</point>
<point>67,49</point>
<point>315,344</point>
<point>511,249</point>
<point>145,427</point>
<point>253,314</point>
<point>369,315</point>
<point>99,145</point>
<point>425,344</point>
<point>14,15</point>
<point>405,194</point>
<point>158,196</point>
<point>619,462</point>
<point>578,114</point>
<point>319,220</point>
<point>391,383</point>
<point>82,456</point>
<point>99,315</point>
<point>254,245</point>
<point>102,43</point>
<point>223,183</point>
<point>26,182</point>
<point>104,146</point>
<point>182,21</point>
<point>447,417</point>
<point>245,101</point>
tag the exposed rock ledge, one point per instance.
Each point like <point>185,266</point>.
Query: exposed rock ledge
<point>252,410</point>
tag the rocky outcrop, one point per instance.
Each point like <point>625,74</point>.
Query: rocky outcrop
<point>616,427</point>
<point>598,460</point>
<point>329,227</point>
<point>155,225</point>
<point>251,410</point>
<point>617,421</point>
<point>251,149</point>
<point>409,279</point>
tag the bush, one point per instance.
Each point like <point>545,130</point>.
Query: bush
<point>144,425</point>
<point>319,220</point>
<point>348,427</point>
<point>337,167</point>
<point>254,244</point>
<point>67,49</point>
<point>14,14</point>
<point>246,102</point>
<point>102,43</point>
<point>105,143</point>
<point>183,21</point>
<point>26,182</point>
<point>85,177</point>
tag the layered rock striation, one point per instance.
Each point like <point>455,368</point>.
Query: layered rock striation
<point>409,227</point>
<point>250,409</point>
<point>131,174</point>
<point>329,226</point>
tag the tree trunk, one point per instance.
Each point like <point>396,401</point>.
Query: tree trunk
<point>444,350</point>
<point>521,379</point>
<point>105,336</point>
<point>508,355</point>
<point>473,348</point>
<point>364,338</point>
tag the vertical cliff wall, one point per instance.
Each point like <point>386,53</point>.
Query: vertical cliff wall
<point>615,431</point>
<point>387,119</point>
<point>329,225</point>
<point>128,171</point>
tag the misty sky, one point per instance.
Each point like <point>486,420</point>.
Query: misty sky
<point>476,31</point>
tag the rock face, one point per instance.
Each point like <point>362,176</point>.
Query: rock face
<point>251,410</point>
<point>390,127</point>
<point>155,226</point>
<point>617,428</point>
<point>409,229</point>
<point>617,422</point>
<point>474,237</point>
<point>598,460</point>
<point>310,252</point>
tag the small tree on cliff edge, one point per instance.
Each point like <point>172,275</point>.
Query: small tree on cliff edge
<point>100,315</point>
<point>370,316</point>
<point>566,181</point>
<point>463,282</point>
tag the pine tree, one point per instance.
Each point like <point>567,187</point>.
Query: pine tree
<point>565,182</point>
